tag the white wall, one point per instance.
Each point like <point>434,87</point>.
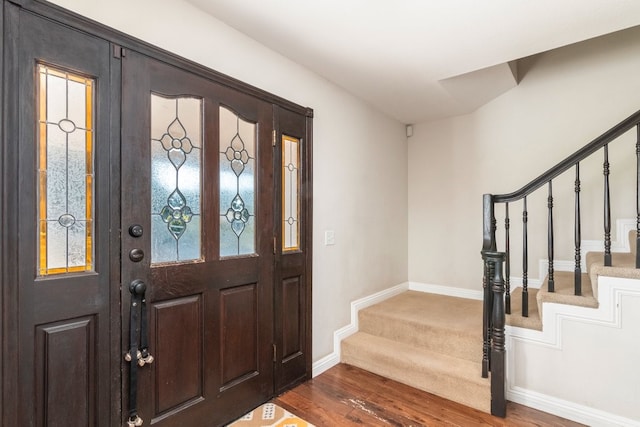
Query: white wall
<point>360,155</point>
<point>566,98</point>
<point>589,358</point>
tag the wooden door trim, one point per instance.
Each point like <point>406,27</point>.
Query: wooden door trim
<point>308,157</point>
<point>9,222</point>
<point>115,313</point>
<point>97,29</point>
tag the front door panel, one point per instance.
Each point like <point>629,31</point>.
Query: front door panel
<point>63,145</point>
<point>197,228</point>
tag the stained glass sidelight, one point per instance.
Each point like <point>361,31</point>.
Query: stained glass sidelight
<point>237,184</point>
<point>290,193</point>
<point>176,145</point>
<point>65,171</point>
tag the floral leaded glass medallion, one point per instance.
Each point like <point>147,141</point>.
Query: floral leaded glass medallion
<point>65,171</point>
<point>176,145</point>
<point>237,184</point>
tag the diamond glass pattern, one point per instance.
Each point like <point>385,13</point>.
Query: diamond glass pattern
<point>176,141</point>
<point>237,184</point>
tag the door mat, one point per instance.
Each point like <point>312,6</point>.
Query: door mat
<point>270,415</point>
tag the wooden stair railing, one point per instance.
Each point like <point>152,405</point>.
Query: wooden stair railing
<point>496,287</point>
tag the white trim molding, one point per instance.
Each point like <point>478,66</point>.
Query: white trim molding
<point>446,290</point>
<point>332,359</point>
<point>569,410</point>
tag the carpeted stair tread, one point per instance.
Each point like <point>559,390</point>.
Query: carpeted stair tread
<point>623,265</point>
<point>564,285</point>
<point>436,322</point>
<point>446,376</point>
<point>516,319</point>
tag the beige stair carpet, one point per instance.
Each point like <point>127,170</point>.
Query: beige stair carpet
<point>431,342</point>
<point>533,321</point>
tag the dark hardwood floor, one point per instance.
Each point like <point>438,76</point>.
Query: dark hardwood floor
<point>349,396</point>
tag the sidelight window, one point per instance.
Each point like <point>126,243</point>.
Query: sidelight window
<point>290,193</point>
<point>65,171</point>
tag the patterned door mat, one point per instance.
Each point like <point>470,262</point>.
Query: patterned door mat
<point>270,415</point>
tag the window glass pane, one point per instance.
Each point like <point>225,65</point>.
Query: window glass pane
<point>237,184</point>
<point>176,145</point>
<point>65,171</point>
<point>290,193</point>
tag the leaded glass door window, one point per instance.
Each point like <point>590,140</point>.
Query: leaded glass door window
<point>176,145</point>
<point>65,171</point>
<point>237,184</point>
<point>290,193</point>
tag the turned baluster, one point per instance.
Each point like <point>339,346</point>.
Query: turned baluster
<point>550,280</point>
<point>607,209</point>
<point>577,273</point>
<point>638,197</point>
<point>525,262</point>
<point>507,274</point>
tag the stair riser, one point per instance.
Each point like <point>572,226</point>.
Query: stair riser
<point>436,339</point>
<point>462,390</point>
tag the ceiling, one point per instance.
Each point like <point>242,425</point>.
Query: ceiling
<point>420,60</point>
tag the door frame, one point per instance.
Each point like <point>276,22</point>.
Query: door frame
<point>8,183</point>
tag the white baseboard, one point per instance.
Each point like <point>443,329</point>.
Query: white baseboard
<point>333,358</point>
<point>446,290</point>
<point>569,410</point>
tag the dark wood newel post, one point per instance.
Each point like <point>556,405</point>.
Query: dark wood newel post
<point>498,390</point>
<point>488,245</point>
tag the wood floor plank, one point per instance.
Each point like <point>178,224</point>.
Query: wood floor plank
<point>349,396</point>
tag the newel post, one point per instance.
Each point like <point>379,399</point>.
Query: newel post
<point>488,245</point>
<point>498,398</point>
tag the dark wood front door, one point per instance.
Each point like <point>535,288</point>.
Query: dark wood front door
<point>197,229</point>
<point>115,169</point>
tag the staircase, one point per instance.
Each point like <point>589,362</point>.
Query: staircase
<point>434,342</point>
<point>442,344</point>
<point>430,342</point>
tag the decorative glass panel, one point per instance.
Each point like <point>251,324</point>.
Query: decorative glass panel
<point>176,149</point>
<point>237,184</point>
<point>290,193</point>
<point>65,171</point>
